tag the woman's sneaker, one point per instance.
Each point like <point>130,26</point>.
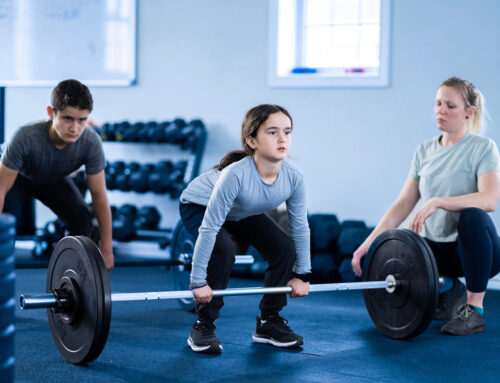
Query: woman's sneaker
<point>466,321</point>
<point>203,339</point>
<point>450,300</point>
<point>275,331</point>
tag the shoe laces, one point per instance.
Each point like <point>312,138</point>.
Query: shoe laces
<point>205,327</point>
<point>278,320</point>
<point>465,311</point>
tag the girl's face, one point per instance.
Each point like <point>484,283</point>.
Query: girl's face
<point>450,111</point>
<point>273,138</point>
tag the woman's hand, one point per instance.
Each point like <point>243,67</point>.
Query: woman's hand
<point>203,294</point>
<point>356,258</point>
<point>418,220</point>
<point>299,288</point>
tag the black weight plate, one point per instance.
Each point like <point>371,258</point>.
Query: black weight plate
<point>80,335</point>
<point>182,247</point>
<point>7,221</point>
<point>7,342</point>
<point>408,311</point>
<point>7,265</point>
<point>7,313</point>
<point>7,248</point>
<point>7,235</point>
<point>7,369</point>
<point>7,287</point>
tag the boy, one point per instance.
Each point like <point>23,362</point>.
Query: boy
<point>41,155</point>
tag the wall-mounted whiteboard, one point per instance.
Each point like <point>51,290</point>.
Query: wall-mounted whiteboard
<point>45,41</point>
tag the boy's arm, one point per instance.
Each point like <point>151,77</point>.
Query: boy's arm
<point>97,188</point>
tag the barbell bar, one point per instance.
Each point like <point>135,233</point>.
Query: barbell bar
<point>50,301</point>
<point>400,288</point>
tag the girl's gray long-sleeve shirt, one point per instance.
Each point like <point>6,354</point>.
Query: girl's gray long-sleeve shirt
<point>238,192</point>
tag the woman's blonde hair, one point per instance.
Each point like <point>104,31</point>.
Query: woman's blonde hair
<point>472,97</point>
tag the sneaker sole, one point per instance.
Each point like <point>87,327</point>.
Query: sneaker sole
<point>275,343</point>
<point>472,331</point>
<point>210,349</point>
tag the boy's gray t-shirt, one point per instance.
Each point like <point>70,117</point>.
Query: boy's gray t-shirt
<point>448,171</point>
<point>238,192</point>
<point>31,152</point>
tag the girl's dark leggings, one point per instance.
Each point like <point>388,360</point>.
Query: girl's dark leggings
<point>260,231</point>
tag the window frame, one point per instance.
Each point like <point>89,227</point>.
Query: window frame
<point>324,79</point>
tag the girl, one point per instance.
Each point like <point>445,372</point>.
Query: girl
<point>230,201</point>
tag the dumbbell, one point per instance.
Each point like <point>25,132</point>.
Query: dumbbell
<point>191,134</point>
<point>121,129</point>
<point>325,231</point>
<point>158,180</point>
<point>112,170</point>
<point>324,267</point>
<point>177,172</point>
<point>52,232</point>
<point>351,238</point>
<point>353,224</point>
<point>114,210</point>
<point>148,218</point>
<point>176,179</point>
<point>123,179</point>
<point>139,179</point>
<point>164,129</point>
<point>123,225</point>
<point>131,133</point>
<point>106,132</point>
<point>142,132</point>
<point>154,132</point>
<point>172,131</point>
<point>346,272</point>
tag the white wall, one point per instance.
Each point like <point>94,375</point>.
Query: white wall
<point>209,59</point>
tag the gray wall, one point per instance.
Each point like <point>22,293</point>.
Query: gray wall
<point>209,59</point>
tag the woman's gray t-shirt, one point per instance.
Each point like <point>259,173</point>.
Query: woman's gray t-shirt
<point>448,171</point>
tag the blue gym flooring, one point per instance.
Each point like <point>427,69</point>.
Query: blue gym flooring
<point>147,342</point>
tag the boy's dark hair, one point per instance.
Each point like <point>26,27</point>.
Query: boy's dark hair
<point>71,93</point>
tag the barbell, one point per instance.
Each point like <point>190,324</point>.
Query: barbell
<point>400,283</point>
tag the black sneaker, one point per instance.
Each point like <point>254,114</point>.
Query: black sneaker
<point>275,331</point>
<point>203,339</point>
<point>466,321</point>
<point>450,300</point>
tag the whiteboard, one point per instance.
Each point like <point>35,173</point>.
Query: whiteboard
<point>45,41</point>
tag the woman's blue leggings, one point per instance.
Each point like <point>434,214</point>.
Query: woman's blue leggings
<point>476,253</point>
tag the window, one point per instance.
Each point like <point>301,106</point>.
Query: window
<point>329,43</point>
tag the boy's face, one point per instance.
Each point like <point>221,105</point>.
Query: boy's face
<point>68,124</point>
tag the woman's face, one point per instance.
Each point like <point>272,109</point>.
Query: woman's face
<point>449,109</point>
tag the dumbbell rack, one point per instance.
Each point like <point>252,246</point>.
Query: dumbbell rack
<point>156,151</point>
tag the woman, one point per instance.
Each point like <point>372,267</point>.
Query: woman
<point>457,177</point>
